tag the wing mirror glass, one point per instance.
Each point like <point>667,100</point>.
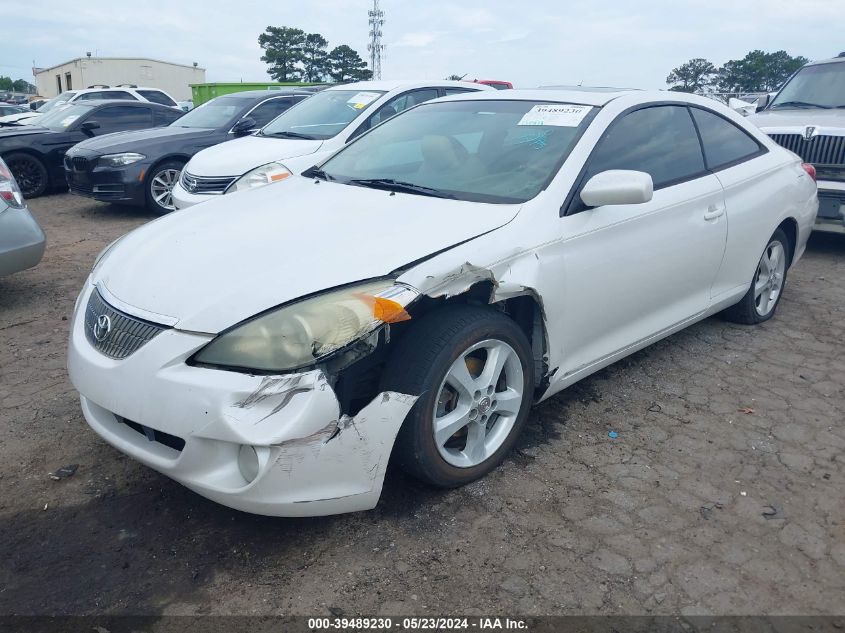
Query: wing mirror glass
<point>244,126</point>
<point>617,186</point>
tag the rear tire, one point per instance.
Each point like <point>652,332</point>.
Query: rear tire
<point>761,301</point>
<point>473,370</point>
<point>159,186</point>
<point>29,172</point>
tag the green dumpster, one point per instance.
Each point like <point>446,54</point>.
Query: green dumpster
<point>205,92</point>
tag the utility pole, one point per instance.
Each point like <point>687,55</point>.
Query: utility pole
<point>375,46</point>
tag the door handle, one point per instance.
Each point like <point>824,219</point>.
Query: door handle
<point>713,212</point>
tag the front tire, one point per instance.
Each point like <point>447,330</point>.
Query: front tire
<point>473,370</point>
<point>159,186</point>
<point>30,174</point>
<point>766,289</point>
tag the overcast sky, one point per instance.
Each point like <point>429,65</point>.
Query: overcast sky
<point>538,42</point>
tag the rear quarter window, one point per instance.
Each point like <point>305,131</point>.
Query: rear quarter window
<point>157,96</point>
<point>723,142</point>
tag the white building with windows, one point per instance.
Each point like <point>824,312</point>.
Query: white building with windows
<point>86,72</point>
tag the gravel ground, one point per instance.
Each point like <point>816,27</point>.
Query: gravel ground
<point>714,425</point>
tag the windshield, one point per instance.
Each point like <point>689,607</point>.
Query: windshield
<point>485,151</point>
<point>822,85</point>
<point>56,101</point>
<point>216,113</point>
<point>63,116</point>
<point>322,116</point>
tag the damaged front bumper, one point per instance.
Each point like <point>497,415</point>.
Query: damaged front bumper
<point>199,425</point>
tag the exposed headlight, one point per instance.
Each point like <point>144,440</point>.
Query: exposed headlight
<point>260,176</point>
<point>301,333</point>
<point>120,160</point>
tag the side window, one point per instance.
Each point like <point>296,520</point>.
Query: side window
<point>268,110</point>
<point>402,103</point>
<point>157,96</point>
<point>659,140</point>
<point>723,141</point>
<point>118,94</point>
<point>119,118</point>
<point>165,117</point>
<point>457,91</point>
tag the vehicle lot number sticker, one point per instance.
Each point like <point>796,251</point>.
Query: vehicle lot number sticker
<point>557,115</point>
<point>362,99</point>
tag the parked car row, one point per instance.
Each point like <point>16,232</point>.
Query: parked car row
<point>396,276</point>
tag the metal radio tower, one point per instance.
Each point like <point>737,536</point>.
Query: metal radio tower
<point>375,46</point>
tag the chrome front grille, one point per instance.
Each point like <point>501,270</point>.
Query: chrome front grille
<point>205,184</point>
<point>819,150</point>
<point>114,333</point>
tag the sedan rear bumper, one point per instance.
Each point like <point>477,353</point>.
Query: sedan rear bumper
<point>22,241</point>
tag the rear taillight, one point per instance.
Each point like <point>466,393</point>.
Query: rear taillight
<point>811,171</point>
<point>9,192</point>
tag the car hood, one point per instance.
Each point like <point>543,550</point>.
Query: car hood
<point>20,117</point>
<point>796,121</point>
<point>213,265</point>
<point>238,156</point>
<point>22,130</point>
<point>139,140</point>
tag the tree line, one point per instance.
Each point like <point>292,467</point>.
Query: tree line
<point>17,85</point>
<point>758,71</point>
<point>294,55</point>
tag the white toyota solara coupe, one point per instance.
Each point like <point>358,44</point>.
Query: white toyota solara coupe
<point>415,293</point>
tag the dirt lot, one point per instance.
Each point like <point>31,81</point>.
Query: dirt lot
<point>714,425</point>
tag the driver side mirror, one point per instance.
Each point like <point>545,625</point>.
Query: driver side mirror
<point>244,126</point>
<point>617,186</point>
<point>89,126</point>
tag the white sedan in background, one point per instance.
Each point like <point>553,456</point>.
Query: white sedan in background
<point>418,291</point>
<point>304,136</point>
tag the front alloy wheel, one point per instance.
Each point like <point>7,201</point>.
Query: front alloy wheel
<point>473,370</point>
<point>160,187</point>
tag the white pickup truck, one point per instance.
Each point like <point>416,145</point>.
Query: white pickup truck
<point>807,116</point>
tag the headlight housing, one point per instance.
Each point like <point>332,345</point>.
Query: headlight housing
<point>120,160</point>
<point>260,176</point>
<point>299,334</point>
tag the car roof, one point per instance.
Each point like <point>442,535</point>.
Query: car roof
<point>840,59</point>
<point>131,104</point>
<point>388,85</point>
<point>261,94</point>
<point>571,95</point>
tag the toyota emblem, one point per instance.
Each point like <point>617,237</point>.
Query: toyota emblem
<point>102,327</point>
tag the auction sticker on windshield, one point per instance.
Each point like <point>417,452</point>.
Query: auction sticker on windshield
<point>557,115</point>
<point>68,120</point>
<point>362,99</point>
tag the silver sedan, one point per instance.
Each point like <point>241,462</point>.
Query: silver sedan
<point>21,239</point>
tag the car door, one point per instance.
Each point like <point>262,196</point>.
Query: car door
<point>753,187</point>
<point>119,118</point>
<point>635,271</point>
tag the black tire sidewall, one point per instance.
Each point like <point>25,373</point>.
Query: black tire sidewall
<point>746,310</point>
<point>152,205</point>
<point>416,438</point>
<point>45,177</point>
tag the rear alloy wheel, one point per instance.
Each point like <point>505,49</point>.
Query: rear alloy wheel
<point>160,182</point>
<point>473,370</point>
<point>30,174</point>
<point>761,300</point>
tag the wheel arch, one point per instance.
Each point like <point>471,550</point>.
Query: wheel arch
<point>183,158</point>
<point>790,227</point>
<point>39,156</point>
